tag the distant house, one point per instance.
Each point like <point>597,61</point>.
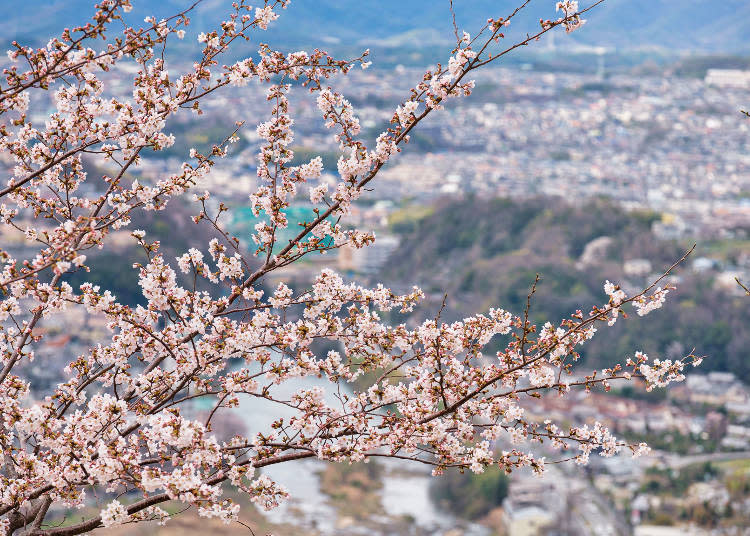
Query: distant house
<point>735,78</point>
<point>638,508</point>
<point>716,388</point>
<point>727,280</point>
<point>703,264</point>
<point>737,437</point>
<point>531,505</point>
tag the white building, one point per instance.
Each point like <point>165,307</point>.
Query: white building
<point>735,78</point>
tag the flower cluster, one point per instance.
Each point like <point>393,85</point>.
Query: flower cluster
<point>572,19</point>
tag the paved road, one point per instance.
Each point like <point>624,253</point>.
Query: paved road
<point>589,513</point>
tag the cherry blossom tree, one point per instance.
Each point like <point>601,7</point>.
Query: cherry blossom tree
<point>114,433</point>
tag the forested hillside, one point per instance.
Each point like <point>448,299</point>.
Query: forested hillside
<point>486,253</point>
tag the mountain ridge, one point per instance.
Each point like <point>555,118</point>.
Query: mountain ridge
<point>682,25</point>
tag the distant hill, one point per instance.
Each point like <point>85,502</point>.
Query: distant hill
<point>691,25</point>
<point>486,253</point>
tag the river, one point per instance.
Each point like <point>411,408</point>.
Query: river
<point>404,494</point>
